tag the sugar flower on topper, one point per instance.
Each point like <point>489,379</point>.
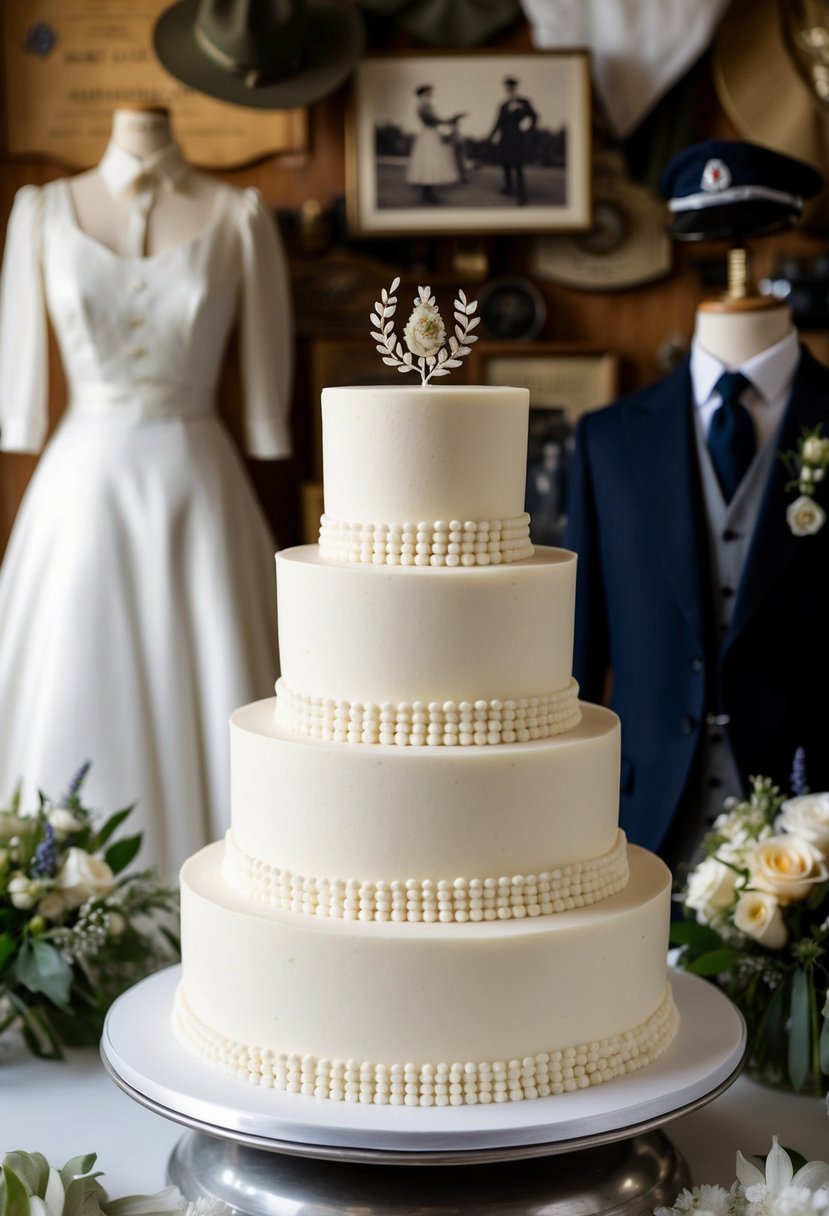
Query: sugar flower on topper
<point>424,335</point>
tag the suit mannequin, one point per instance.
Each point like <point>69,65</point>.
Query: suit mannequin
<point>649,613</point>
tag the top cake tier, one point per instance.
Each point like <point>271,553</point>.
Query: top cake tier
<point>395,455</point>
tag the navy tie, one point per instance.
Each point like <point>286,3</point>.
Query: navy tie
<point>731,440</point>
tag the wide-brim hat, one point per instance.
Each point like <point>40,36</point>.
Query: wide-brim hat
<point>764,95</point>
<point>267,55</point>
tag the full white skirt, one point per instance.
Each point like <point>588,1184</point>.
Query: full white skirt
<point>137,610</point>
<point>431,161</point>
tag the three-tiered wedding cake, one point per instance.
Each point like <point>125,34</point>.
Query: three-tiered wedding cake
<point>425,897</point>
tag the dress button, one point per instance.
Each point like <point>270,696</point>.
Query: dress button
<point>136,322</point>
<point>714,783</point>
<point>138,352</point>
<point>137,285</point>
<point>687,725</point>
<point>726,592</point>
<point>730,534</point>
<point>696,663</point>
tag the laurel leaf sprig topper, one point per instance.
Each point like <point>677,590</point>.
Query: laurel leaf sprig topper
<point>425,334</point>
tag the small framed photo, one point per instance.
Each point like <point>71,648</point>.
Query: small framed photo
<point>564,380</point>
<point>482,143</point>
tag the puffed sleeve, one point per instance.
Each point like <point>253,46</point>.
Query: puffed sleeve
<point>24,370</point>
<point>266,337</point>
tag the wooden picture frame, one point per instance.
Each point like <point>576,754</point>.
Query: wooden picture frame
<point>565,380</point>
<point>474,155</point>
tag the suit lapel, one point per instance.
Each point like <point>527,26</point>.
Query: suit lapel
<point>662,454</point>
<point>773,546</point>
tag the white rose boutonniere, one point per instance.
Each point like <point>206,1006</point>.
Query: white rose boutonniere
<point>807,468</point>
<point>428,350</point>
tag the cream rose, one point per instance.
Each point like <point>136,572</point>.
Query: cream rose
<point>807,817</point>
<point>758,915</point>
<point>63,821</point>
<point>82,877</point>
<point>804,516</point>
<point>815,450</point>
<point>424,333</point>
<point>51,906</point>
<point>710,889</point>
<point>787,866</point>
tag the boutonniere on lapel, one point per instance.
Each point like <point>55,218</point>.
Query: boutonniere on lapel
<point>807,467</point>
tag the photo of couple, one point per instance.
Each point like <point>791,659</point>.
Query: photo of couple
<point>483,143</point>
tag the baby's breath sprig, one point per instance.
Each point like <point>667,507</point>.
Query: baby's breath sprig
<point>425,334</point>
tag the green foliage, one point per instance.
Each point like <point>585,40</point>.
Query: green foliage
<point>72,939</point>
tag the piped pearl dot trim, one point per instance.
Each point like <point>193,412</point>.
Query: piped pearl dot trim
<point>442,901</point>
<point>454,543</point>
<point>457,1084</point>
<point>430,724</point>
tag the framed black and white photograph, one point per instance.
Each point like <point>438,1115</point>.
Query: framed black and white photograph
<point>564,381</point>
<point>483,143</point>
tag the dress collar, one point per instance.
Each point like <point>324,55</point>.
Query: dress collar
<point>121,170</point>
<point>770,372</point>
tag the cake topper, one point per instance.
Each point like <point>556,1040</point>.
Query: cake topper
<point>424,335</point>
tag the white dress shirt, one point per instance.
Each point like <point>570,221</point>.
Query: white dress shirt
<point>770,374</point>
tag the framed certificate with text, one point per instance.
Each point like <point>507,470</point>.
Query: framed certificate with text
<point>67,64</point>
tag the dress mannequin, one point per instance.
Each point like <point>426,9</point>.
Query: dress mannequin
<point>137,605</point>
<point>175,215</point>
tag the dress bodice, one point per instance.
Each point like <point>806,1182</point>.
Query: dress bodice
<point>144,336</point>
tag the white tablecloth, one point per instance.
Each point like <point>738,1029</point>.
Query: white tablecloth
<point>64,1109</point>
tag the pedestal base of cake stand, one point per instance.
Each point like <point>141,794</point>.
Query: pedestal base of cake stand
<point>267,1153</point>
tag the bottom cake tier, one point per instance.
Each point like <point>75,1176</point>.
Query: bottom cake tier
<point>425,1014</point>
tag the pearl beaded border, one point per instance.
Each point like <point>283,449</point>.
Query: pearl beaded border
<point>560,889</point>
<point>433,724</point>
<point>458,1084</point>
<point>456,543</point>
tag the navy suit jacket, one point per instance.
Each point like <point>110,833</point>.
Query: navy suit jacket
<point>645,605</point>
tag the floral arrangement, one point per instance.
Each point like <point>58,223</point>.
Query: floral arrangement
<point>776,1190</point>
<point>75,930</point>
<point>425,334</point>
<point>807,468</point>
<point>30,1186</point>
<point>757,923</point>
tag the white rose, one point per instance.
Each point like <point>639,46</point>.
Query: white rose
<point>711,887</point>
<point>22,892</point>
<point>804,516</point>
<point>807,817</point>
<point>815,450</point>
<point>82,877</point>
<point>424,333</point>
<point>758,915</point>
<point>63,821</point>
<point>786,866</point>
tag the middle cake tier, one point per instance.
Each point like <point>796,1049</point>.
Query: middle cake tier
<point>424,833</point>
<point>394,638</point>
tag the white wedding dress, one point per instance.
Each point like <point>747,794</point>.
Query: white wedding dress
<point>137,603</point>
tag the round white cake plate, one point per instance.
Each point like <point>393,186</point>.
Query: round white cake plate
<point>145,1059</point>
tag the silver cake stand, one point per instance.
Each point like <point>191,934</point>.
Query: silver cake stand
<point>267,1153</point>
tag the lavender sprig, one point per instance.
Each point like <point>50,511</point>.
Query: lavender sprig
<point>73,789</point>
<point>45,861</point>
<point>799,781</point>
